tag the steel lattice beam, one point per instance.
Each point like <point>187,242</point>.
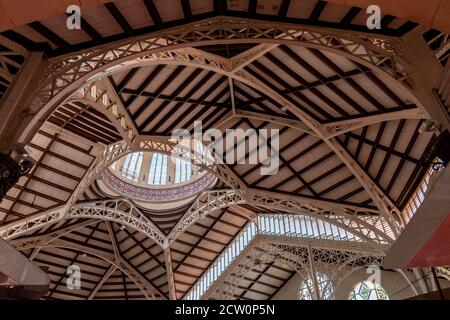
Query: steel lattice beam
<point>359,221</point>
<point>64,74</point>
<point>52,240</point>
<point>295,255</point>
<point>101,95</point>
<point>143,284</point>
<point>373,52</point>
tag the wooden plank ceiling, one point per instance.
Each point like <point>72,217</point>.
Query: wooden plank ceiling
<point>121,19</point>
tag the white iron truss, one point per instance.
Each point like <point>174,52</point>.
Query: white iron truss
<point>53,240</point>
<point>280,228</point>
<point>121,211</point>
<point>171,46</point>
<point>169,273</point>
<point>308,261</point>
<point>111,154</point>
<point>63,75</point>
<point>361,222</point>
<point>382,201</point>
<point>101,95</point>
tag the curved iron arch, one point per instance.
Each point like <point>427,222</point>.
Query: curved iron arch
<point>66,74</point>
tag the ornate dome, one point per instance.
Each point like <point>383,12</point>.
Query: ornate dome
<point>155,177</point>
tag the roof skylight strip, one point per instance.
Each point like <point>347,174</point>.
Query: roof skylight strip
<point>419,195</point>
<point>291,225</point>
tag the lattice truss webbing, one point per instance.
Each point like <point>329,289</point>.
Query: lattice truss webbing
<point>383,53</point>
<point>115,151</point>
<point>335,265</point>
<point>122,211</point>
<point>364,223</point>
<point>204,205</point>
<point>367,227</point>
<point>71,69</point>
<point>55,240</point>
<point>363,227</point>
<point>23,226</point>
<point>101,95</point>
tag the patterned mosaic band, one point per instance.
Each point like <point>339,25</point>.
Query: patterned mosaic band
<point>149,194</point>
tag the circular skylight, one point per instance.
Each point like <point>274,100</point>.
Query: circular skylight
<point>153,176</point>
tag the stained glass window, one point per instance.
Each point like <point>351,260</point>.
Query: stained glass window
<point>132,165</point>
<point>368,290</point>
<point>307,288</point>
<point>158,169</point>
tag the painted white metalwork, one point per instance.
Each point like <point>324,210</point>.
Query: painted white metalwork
<point>15,229</point>
<point>109,272</point>
<point>203,160</point>
<point>367,224</point>
<point>171,47</point>
<point>8,53</point>
<point>16,87</point>
<point>387,208</point>
<point>64,74</point>
<point>443,272</point>
<point>443,41</point>
<point>101,95</point>
<point>362,223</point>
<point>280,226</point>
<point>359,221</point>
<point>41,240</point>
<point>284,228</point>
<point>111,154</point>
<point>374,52</point>
<point>143,284</point>
<point>121,211</point>
<point>234,249</point>
<point>293,225</point>
<point>333,129</point>
<point>335,264</point>
<point>205,204</point>
<point>52,240</point>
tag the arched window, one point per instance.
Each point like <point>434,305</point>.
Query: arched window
<point>307,289</point>
<point>368,290</point>
<point>158,169</point>
<point>132,165</point>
